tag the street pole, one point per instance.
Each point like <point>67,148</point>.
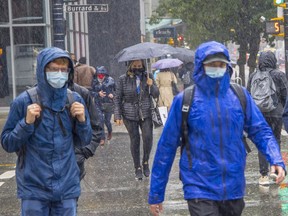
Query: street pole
<point>286,37</point>
<point>58,24</point>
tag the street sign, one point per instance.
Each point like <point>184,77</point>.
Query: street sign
<point>86,8</point>
<point>168,32</point>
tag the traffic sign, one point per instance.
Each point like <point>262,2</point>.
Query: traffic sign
<point>273,27</point>
<point>86,8</point>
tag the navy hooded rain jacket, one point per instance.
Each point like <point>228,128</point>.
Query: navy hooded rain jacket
<point>49,170</point>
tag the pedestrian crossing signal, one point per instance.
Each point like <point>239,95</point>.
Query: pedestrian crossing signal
<point>275,26</point>
<point>280,3</point>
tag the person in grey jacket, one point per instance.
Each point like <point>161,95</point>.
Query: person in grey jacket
<point>133,106</point>
<point>47,174</point>
<point>268,62</point>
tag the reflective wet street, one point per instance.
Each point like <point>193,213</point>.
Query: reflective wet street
<point>109,187</point>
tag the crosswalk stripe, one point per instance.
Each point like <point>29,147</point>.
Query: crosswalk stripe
<point>8,174</point>
<point>1,183</point>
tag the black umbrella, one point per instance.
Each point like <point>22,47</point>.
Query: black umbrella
<point>183,54</point>
<point>144,50</point>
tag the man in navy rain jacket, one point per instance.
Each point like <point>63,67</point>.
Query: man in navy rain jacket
<point>42,134</point>
<point>215,184</point>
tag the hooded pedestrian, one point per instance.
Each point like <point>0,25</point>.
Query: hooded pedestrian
<point>47,174</point>
<point>103,88</point>
<point>267,64</point>
<point>212,171</point>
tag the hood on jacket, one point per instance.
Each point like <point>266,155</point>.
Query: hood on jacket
<point>266,60</point>
<point>205,83</point>
<point>51,97</point>
<point>102,70</point>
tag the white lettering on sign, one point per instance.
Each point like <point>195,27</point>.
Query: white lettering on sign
<point>86,8</point>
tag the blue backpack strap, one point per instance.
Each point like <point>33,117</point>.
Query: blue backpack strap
<point>186,106</point>
<point>239,92</point>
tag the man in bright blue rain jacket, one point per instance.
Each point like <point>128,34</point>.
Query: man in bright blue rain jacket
<point>42,134</point>
<point>215,184</point>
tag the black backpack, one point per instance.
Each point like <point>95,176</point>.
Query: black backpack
<point>186,105</point>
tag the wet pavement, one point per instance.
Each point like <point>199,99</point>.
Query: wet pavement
<point>109,187</point>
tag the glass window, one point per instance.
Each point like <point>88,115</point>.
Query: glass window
<point>28,41</point>
<point>6,94</point>
<point>27,11</point>
<point>4,18</point>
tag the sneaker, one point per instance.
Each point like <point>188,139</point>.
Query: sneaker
<point>109,136</point>
<point>102,142</point>
<point>264,180</point>
<point>146,169</point>
<point>138,174</point>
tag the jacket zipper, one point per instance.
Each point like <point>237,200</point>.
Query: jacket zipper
<point>221,138</point>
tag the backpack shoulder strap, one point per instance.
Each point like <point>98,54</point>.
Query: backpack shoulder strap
<point>186,106</point>
<point>70,97</point>
<point>32,92</point>
<point>238,90</point>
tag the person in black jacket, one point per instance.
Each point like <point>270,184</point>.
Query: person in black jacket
<point>97,124</point>
<point>268,62</point>
<point>103,88</point>
<point>185,73</point>
<point>132,105</point>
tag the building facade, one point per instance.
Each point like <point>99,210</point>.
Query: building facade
<point>26,27</point>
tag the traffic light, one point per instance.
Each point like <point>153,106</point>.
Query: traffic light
<point>275,26</point>
<point>280,3</point>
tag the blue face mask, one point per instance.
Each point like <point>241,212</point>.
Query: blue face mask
<point>215,72</point>
<point>57,79</point>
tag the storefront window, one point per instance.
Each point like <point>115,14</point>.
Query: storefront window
<point>21,40</point>
<point>4,18</point>
<point>27,11</point>
<point>28,41</point>
<point>5,89</point>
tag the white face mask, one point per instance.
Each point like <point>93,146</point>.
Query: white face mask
<point>215,72</point>
<point>57,79</point>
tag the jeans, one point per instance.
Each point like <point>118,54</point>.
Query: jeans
<point>276,126</point>
<point>107,122</point>
<point>49,208</point>
<point>146,127</point>
<point>205,207</point>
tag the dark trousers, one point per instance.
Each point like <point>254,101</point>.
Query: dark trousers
<point>276,126</point>
<point>134,134</point>
<point>204,207</point>
<point>107,122</point>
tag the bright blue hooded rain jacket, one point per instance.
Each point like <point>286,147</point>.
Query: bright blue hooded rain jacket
<point>49,170</point>
<point>216,123</point>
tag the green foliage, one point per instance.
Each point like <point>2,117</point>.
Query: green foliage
<point>221,20</point>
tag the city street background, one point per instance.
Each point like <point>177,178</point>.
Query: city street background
<point>109,187</point>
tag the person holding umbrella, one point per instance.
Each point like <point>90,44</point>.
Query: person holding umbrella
<point>133,107</point>
<point>164,80</point>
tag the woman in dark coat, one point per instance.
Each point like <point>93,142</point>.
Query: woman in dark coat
<point>132,105</point>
